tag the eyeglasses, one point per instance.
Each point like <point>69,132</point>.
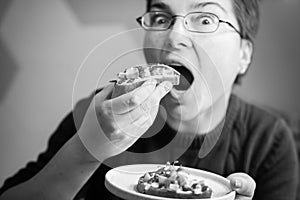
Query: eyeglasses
<point>200,22</point>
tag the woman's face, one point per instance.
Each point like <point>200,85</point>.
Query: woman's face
<point>209,62</point>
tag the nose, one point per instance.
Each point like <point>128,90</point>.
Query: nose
<point>178,36</point>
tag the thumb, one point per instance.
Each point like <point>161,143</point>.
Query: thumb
<point>162,89</point>
<point>105,93</point>
<point>243,184</point>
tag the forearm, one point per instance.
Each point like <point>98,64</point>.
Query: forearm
<point>61,178</point>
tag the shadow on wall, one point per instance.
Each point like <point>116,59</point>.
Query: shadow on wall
<point>8,66</point>
<point>99,12</point>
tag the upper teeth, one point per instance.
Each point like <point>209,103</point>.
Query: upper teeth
<point>175,64</point>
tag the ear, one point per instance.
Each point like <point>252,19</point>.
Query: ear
<point>246,51</point>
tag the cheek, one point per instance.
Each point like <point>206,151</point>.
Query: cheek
<point>228,62</point>
<point>149,39</point>
<point>153,43</point>
<point>219,58</point>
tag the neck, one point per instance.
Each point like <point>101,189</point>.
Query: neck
<point>205,121</point>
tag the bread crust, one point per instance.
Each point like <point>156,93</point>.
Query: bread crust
<point>134,77</point>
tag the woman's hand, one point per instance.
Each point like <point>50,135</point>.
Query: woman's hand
<point>110,126</point>
<point>243,184</point>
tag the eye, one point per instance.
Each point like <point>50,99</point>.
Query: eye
<point>160,19</point>
<point>202,19</point>
<point>205,20</point>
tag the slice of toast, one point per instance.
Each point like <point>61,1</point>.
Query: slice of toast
<point>173,182</point>
<point>134,77</point>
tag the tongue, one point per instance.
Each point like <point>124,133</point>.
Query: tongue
<point>186,78</point>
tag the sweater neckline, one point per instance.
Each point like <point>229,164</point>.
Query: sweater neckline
<point>204,143</point>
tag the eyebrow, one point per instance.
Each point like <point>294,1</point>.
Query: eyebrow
<point>159,5</point>
<point>163,6</point>
<point>203,4</point>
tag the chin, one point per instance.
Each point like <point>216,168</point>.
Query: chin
<point>180,111</point>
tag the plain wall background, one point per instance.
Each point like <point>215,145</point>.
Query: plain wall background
<point>43,43</point>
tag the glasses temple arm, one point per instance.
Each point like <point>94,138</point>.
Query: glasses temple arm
<point>232,27</point>
<point>139,20</point>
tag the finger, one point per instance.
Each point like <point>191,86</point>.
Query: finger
<point>119,122</point>
<point>142,93</point>
<point>139,122</point>
<point>162,89</point>
<point>133,129</point>
<point>144,114</point>
<point>150,115</point>
<point>105,92</point>
<point>133,115</point>
<point>243,184</point>
<point>103,95</point>
<point>129,101</point>
<point>138,127</point>
<point>150,106</point>
<point>136,117</point>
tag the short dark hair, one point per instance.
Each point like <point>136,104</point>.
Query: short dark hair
<point>247,15</point>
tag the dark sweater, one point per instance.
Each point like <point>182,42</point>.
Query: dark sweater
<point>252,141</point>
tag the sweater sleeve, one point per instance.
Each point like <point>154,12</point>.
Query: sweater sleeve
<point>277,177</point>
<point>63,133</point>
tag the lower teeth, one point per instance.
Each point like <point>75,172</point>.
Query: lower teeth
<point>177,93</point>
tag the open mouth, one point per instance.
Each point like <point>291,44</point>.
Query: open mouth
<point>186,77</point>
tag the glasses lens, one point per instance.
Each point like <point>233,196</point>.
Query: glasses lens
<point>202,22</point>
<point>157,20</point>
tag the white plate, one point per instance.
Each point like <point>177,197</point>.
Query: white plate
<point>121,181</point>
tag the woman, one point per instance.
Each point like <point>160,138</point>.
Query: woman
<point>211,44</point>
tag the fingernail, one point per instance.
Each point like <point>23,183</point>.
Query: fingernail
<point>151,81</point>
<point>237,183</point>
<point>168,86</point>
<point>135,99</point>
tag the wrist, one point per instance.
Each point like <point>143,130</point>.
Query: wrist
<point>95,144</point>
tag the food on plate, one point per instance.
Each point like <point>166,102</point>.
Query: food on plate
<point>134,77</point>
<point>173,182</point>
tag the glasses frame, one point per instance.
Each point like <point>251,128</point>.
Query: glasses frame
<point>140,20</point>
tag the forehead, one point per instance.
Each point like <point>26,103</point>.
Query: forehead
<point>224,6</point>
